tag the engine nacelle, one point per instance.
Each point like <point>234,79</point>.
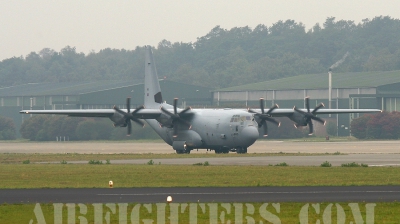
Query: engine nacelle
<point>165,120</point>
<point>179,145</point>
<point>118,119</point>
<point>299,119</point>
<point>189,138</point>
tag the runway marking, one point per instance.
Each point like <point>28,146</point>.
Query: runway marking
<point>225,193</point>
<point>386,165</point>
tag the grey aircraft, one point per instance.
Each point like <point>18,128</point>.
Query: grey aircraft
<point>221,130</point>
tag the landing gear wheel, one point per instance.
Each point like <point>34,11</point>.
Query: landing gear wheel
<point>241,150</point>
<point>184,151</point>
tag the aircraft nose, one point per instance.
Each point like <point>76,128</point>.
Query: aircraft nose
<point>249,135</point>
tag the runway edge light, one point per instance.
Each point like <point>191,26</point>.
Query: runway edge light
<point>169,199</point>
<point>110,183</point>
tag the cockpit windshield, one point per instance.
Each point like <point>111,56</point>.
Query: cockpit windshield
<point>238,118</point>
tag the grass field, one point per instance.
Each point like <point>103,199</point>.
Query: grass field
<point>10,158</point>
<point>172,213</point>
<point>97,176</point>
<point>15,174</point>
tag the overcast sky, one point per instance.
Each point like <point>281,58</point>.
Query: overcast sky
<point>27,26</point>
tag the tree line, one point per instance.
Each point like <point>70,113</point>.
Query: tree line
<point>51,128</point>
<point>224,58</point>
<point>383,125</point>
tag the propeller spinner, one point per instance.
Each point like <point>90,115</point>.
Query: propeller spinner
<point>128,116</point>
<point>176,117</point>
<point>310,115</point>
<point>264,117</point>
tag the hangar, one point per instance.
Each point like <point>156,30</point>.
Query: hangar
<point>92,95</point>
<point>359,90</point>
<point>362,90</point>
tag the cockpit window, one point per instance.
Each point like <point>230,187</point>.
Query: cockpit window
<point>238,118</point>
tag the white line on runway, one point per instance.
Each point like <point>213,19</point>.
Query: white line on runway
<point>386,165</point>
<point>298,192</point>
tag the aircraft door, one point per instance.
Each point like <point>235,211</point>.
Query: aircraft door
<point>212,129</point>
<point>236,128</point>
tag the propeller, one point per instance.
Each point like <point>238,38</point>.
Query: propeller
<point>176,117</point>
<point>264,117</point>
<point>128,116</point>
<point>310,115</point>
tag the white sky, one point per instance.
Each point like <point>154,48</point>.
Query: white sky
<point>27,26</point>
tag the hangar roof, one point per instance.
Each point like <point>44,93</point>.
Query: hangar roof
<point>320,81</point>
<point>99,87</point>
<point>64,88</point>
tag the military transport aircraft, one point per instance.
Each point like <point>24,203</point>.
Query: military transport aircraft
<point>221,130</point>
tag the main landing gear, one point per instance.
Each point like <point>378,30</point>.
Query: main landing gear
<point>185,151</point>
<point>239,150</point>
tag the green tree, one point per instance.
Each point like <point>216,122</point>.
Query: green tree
<point>331,128</point>
<point>31,127</point>
<point>358,126</point>
<point>94,129</point>
<point>226,57</point>
<point>377,126</point>
<point>7,128</point>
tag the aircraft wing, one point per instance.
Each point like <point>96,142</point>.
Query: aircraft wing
<point>287,112</point>
<point>142,114</point>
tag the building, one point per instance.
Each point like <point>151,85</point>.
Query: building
<point>92,95</point>
<point>364,90</point>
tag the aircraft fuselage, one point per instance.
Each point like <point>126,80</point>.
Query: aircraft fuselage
<point>222,130</point>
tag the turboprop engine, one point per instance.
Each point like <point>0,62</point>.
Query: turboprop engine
<point>174,120</point>
<point>302,118</point>
<point>123,119</point>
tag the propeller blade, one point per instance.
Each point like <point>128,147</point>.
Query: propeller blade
<point>139,122</point>
<point>272,108</point>
<point>309,116</point>
<point>175,103</point>
<point>119,110</point>
<point>310,126</point>
<point>167,112</point>
<point>185,122</point>
<point>273,121</point>
<point>127,116</point>
<point>137,109</point>
<point>251,111</point>
<point>175,131</point>
<point>129,128</point>
<point>262,105</point>
<point>185,110</point>
<point>317,108</point>
<point>320,120</point>
<point>128,104</point>
<point>176,117</point>
<point>260,123</point>
<point>265,129</point>
<point>263,117</point>
<point>300,111</point>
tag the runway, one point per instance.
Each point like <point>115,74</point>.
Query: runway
<point>348,147</point>
<point>204,195</point>
<point>373,153</point>
<point>314,160</point>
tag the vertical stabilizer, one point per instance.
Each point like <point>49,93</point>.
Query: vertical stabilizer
<point>152,90</point>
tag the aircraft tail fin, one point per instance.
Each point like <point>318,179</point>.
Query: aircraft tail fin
<point>152,90</point>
